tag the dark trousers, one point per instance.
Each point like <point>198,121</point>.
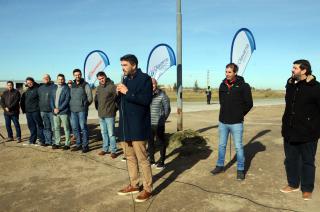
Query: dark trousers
<point>299,164</point>
<point>15,119</point>
<point>208,100</point>
<point>35,126</point>
<point>157,132</point>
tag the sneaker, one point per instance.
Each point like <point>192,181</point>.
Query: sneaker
<point>143,196</point>
<point>124,159</point>
<point>113,155</point>
<point>288,189</point>
<point>307,195</point>
<point>160,166</point>
<point>65,147</point>
<point>9,139</point>
<point>240,175</point>
<point>128,190</point>
<point>54,146</point>
<point>76,148</point>
<point>19,140</point>
<point>217,170</point>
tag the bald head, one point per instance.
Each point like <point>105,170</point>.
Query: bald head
<point>46,79</point>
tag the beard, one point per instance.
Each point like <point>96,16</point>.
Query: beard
<point>296,77</point>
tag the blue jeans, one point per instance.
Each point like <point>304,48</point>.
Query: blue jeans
<point>107,132</point>
<point>15,120</point>
<point>35,126</point>
<point>80,128</point>
<point>236,131</point>
<point>47,118</point>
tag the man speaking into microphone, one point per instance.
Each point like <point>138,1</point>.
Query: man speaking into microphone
<point>135,96</point>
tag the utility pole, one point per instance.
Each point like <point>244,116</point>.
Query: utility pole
<point>208,78</point>
<point>179,68</point>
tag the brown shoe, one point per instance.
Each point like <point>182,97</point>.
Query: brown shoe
<point>102,153</point>
<point>307,195</point>
<point>73,139</point>
<point>288,189</point>
<point>128,190</point>
<point>113,155</point>
<point>143,196</point>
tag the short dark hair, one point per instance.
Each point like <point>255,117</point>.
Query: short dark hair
<point>61,75</point>
<point>101,74</point>
<point>30,79</point>
<point>10,82</point>
<point>76,70</point>
<point>233,66</point>
<point>132,59</point>
<point>304,65</point>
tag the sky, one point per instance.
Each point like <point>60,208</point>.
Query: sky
<point>42,36</point>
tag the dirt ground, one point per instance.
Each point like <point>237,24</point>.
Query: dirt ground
<point>41,179</point>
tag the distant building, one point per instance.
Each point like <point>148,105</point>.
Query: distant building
<point>18,84</point>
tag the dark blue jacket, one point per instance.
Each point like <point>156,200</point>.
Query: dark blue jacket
<point>63,100</point>
<point>135,121</point>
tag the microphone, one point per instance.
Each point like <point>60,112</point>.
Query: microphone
<point>123,77</point>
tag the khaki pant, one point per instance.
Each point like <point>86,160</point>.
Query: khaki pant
<point>57,119</point>
<point>136,155</point>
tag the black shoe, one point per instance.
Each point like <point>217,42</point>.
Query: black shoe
<point>85,150</point>
<point>217,170</point>
<point>76,148</point>
<point>43,144</point>
<point>54,146</point>
<point>9,139</point>
<point>160,166</point>
<point>152,162</point>
<point>66,148</point>
<point>240,175</point>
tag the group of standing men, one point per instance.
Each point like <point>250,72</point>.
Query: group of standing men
<point>47,106</point>
<point>143,110</point>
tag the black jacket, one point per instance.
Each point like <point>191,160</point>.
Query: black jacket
<point>105,100</point>
<point>135,121</point>
<point>30,100</point>
<point>301,118</point>
<point>235,102</point>
<point>11,99</point>
<point>45,93</point>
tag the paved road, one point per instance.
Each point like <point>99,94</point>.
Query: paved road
<point>187,107</point>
